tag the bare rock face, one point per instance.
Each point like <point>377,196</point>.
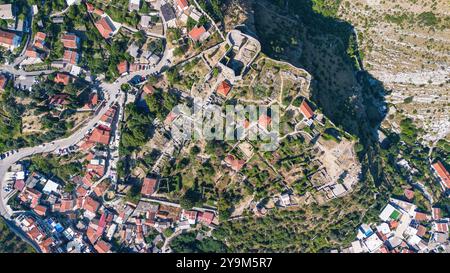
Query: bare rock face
<point>405,46</point>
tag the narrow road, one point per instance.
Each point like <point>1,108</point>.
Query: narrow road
<point>210,19</point>
<point>112,93</point>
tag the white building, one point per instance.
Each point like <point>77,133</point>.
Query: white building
<point>373,243</point>
<point>73,2</point>
<point>50,187</point>
<point>6,12</point>
<point>134,5</point>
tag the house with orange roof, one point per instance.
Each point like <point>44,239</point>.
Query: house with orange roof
<point>264,120</point>
<point>190,216</point>
<point>31,52</point>
<point>306,110</point>
<point>67,205</point>
<point>36,234</point>
<point>100,189</point>
<point>224,88</point>
<point>59,100</point>
<point>3,82</point>
<point>9,40</point>
<point>205,217</point>
<point>148,89</point>
<point>198,34</point>
<point>148,186</point>
<point>70,57</point>
<point>102,247</point>
<point>93,101</point>
<point>62,78</point>
<point>91,234</point>
<point>98,12</point>
<point>70,40</point>
<point>182,5</point>
<point>91,207</point>
<point>441,227</point>
<point>170,117</point>
<point>443,174</point>
<point>88,179</point>
<point>39,40</point>
<point>420,217</point>
<point>40,210</point>
<point>122,67</point>
<point>98,169</point>
<point>105,27</point>
<point>234,163</point>
<point>46,245</point>
<point>100,136</point>
<point>436,213</point>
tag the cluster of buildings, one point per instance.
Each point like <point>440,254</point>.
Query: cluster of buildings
<point>443,175</point>
<point>403,229</point>
<point>178,13</point>
<point>81,220</point>
<point>101,134</point>
<point>10,38</point>
<point>104,24</point>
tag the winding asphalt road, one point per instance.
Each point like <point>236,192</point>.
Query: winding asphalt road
<point>112,93</point>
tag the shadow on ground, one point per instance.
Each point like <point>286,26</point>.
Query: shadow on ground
<point>347,94</point>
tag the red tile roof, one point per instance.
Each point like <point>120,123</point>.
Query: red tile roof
<point>264,121</point>
<point>91,205</point>
<point>98,169</point>
<point>99,12</point>
<point>100,189</point>
<point>40,210</point>
<point>102,247</point>
<point>62,78</point>
<point>31,53</point>
<point>40,36</point>
<point>235,164</point>
<point>19,184</point>
<point>3,81</point>
<point>39,44</point>
<point>190,214</point>
<point>59,99</point>
<point>70,56</point>
<point>436,213</point>
<point>69,40</point>
<point>442,173</point>
<point>421,231</point>
<point>90,7</point>
<point>441,227</point>
<point>205,217</point>
<point>122,67</point>
<point>409,193</point>
<point>196,33</point>
<point>104,28</point>
<point>223,88</point>
<point>148,89</point>
<point>100,136</point>
<point>45,245</point>
<point>148,186</point>
<point>81,192</point>
<point>182,4</point>
<point>393,224</point>
<point>306,110</point>
<point>170,117</point>
<point>92,235</point>
<point>36,234</point>
<point>421,217</point>
<point>7,37</point>
<point>88,179</point>
<point>67,205</point>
